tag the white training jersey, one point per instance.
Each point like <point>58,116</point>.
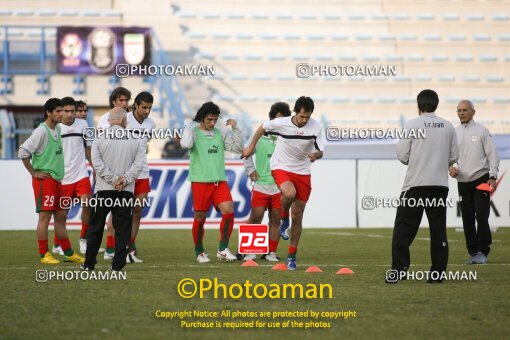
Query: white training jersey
<point>103,122</point>
<point>294,144</point>
<point>74,144</point>
<point>147,124</point>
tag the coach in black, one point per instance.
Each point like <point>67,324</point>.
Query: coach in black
<point>118,159</point>
<point>478,163</point>
<point>426,181</point>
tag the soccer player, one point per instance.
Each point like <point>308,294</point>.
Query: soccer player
<point>81,109</point>
<point>265,193</point>
<point>76,182</point>
<point>301,143</point>
<point>119,97</point>
<point>207,175</point>
<point>47,170</point>
<point>139,120</point>
<point>478,163</point>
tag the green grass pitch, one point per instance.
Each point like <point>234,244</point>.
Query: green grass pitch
<point>126,309</point>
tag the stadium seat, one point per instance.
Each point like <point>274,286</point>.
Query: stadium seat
<point>446,79</point>
<point>283,17</point>
<point>261,77</point>
<point>440,58</point>
<point>285,78</point>
<point>248,98</point>
<point>371,58</point>
<point>408,37</point>
<point>329,16</point>
<point>420,78</point>
<point>488,58</point>
<point>339,99</point>
<point>347,58</point>
<point>456,37</point>
<point>450,17</point>
<point>315,37</point>
<point>186,15</point>
<point>393,58</point>
<point>363,37</point>
<point>356,17</point>
<point>270,99</point>
<point>5,12</point>
<point>204,55</point>
<point>479,100</point>
<point>276,57</point>
<point>482,37</point>
<point>323,57</point>
<point>362,99</point>
<point>68,13</point>
<point>24,12</point>
<point>238,77</point>
<point>501,100</point>
<point>400,78</point>
<point>219,36</point>
<point>425,16</point>
<point>408,100</point>
<point>500,17</point>
<point>252,57</point>
<point>415,57</point>
<point>387,37</point>
<point>235,16</point>
<point>229,57</point>
<point>495,79</point>
<point>432,37</point>
<point>244,36</point>
<point>210,16</point>
<point>504,37</point>
<point>308,17</point>
<point>268,36</point>
<point>90,13</point>
<point>299,57</point>
<point>475,17</point>
<point>471,79</point>
<point>464,58</point>
<point>339,36</point>
<point>260,16</point>
<point>195,35</point>
<point>453,99</point>
<point>400,16</point>
<point>386,99</point>
<point>380,16</point>
<point>291,36</point>
<point>46,13</point>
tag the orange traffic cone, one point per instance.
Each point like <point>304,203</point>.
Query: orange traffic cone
<point>313,269</point>
<point>345,271</point>
<point>279,266</point>
<point>250,263</point>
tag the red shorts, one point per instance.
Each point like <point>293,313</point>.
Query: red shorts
<point>302,183</point>
<point>77,189</point>
<point>205,194</point>
<point>142,186</point>
<point>47,193</point>
<point>259,199</point>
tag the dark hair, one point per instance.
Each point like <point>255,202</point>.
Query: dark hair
<point>116,93</point>
<point>50,105</point>
<point>281,107</point>
<point>144,97</point>
<point>427,101</point>
<point>208,108</point>
<point>81,103</point>
<point>305,103</point>
<point>68,101</point>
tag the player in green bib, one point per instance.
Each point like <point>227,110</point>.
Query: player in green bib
<point>265,193</point>
<point>207,145</point>
<point>44,146</point>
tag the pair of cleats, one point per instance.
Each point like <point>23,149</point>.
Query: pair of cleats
<point>83,248</point>
<point>271,257</point>
<point>130,258</point>
<point>224,255</point>
<point>478,258</point>
<point>49,259</point>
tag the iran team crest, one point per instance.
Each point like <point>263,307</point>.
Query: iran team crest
<point>134,48</point>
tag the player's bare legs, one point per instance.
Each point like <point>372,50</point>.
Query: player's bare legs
<point>110,239</point>
<point>42,224</point>
<point>287,199</point>
<point>274,224</point>
<point>256,215</point>
<point>59,218</point>
<point>226,226</point>
<point>298,207</point>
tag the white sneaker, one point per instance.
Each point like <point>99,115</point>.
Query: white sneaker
<point>131,258</point>
<point>83,245</point>
<point>108,256</point>
<point>271,257</point>
<point>250,257</point>
<point>57,250</point>
<point>225,255</point>
<point>202,258</point>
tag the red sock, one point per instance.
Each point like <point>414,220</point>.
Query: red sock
<point>284,214</point>
<point>65,244</point>
<point>84,228</point>
<point>292,252</point>
<point>226,226</point>
<point>55,240</point>
<point>110,242</point>
<point>198,232</point>
<point>43,247</point>
<point>132,241</point>
<point>273,245</point>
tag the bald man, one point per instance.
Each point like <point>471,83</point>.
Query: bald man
<point>478,163</point>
